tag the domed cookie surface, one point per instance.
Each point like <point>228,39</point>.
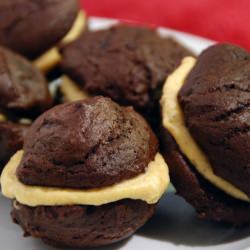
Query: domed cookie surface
<point>30,27</point>
<point>86,144</point>
<point>128,64</point>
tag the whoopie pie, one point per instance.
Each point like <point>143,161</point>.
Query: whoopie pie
<point>205,135</point>
<point>126,63</point>
<point>90,174</point>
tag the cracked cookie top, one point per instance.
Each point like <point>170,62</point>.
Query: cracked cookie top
<point>215,100</point>
<point>30,27</point>
<point>86,144</point>
<point>128,64</point>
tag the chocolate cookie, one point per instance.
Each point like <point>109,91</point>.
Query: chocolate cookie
<point>128,64</point>
<point>31,27</point>
<point>215,100</point>
<point>209,202</point>
<point>83,226</point>
<point>86,144</point>
<point>23,89</point>
<point>11,140</point>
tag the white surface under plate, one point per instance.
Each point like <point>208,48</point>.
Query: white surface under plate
<point>173,227</point>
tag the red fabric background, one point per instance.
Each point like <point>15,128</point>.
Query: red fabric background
<point>221,20</point>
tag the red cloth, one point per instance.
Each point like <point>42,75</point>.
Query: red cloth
<point>221,20</point>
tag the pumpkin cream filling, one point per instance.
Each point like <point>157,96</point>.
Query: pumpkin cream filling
<point>2,118</point>
<point>173,121</point>
<point>148,187</point>
<point>71,91</point>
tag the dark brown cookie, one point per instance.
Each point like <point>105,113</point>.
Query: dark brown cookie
<point>30,27</point>
<point>11,140</point>
<point>86,144</point>
<point>128,64</point>
<point>209,202</point>
<point>215,100</point>
<point>83,226</point>
<point>23,89</point>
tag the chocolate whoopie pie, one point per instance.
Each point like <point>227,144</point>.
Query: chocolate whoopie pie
<point>128,64</point>
<point>23,89</point>
<point>31,27</point>
<point>89,175</point>
<point>206,138</point>
<point>11,140</point>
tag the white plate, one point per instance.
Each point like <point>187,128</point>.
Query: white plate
<point>174,226</point>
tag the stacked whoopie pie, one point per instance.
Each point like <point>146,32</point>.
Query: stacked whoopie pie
<point>89,175</point>
<point>23,89</point>
<point>205,136</point>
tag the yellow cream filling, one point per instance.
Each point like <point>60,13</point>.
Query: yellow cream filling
<point>52,57</point>
<point>148,187</point>
<point>2,118</point>
<point>173,121</point>
<point>71,91</point>
<point>77,28</point>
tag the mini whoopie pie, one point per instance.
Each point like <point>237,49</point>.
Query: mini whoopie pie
<point>126,63</point>
<point>35,28</point>
<point>89,174</point>
<point>205,136</point>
